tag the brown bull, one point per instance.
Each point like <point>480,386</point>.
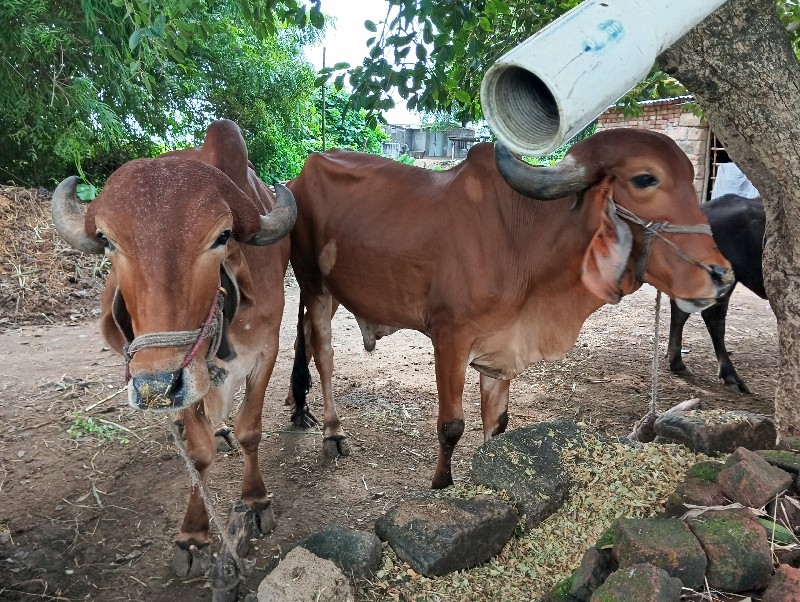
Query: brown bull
<point>198,251</point>
<point>498,262</point>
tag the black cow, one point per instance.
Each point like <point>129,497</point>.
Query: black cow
<point>738,227</point>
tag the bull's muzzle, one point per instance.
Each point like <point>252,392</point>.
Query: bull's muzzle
<point>723,279</point>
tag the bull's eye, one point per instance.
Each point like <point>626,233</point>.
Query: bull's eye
<point>644,180</point>
<point>222,239</point>
<point>103,240</point>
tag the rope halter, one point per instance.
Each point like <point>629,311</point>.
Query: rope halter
<point>211,329</point>
<point>653,230</point>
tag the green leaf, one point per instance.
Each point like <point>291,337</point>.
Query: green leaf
<point>370,26</point>
<point>317,20</point>
<point>778,533</point>
<point>134,40</point>
<point>158,25</point>
<point>341,65</point>
<point>462,96</point>
<point>422,53</point>
<point>86,192</point>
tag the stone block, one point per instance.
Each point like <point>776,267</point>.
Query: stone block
<point>739,555</point>
<point>712,432</point>
<point>437,536</point>
<point>304,577</point>
<point>596,565</point>
<point>695,492</point>
<point>526,463</point>
<point>785,585</point>
<point>357,553</point>
<point>666,543</point>
<point>640,582</point>
<point>751,480</point>
<point>782,458</point>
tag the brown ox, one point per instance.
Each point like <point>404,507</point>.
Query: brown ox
<point>198,251</point>
<point>495,278</point>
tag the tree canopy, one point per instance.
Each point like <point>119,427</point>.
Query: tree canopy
<point>436,53</point>
<point>90,85</point>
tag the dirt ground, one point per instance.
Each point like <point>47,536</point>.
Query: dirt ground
<point>89,508</point>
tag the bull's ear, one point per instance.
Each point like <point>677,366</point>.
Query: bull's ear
<point>115,321</point>
<point>606,259</point>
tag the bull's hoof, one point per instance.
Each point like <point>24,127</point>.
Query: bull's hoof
<point>441,481</point>
<point>680,369</point>
<point>190,562</point>
<point>738,387</point>
<point>303,418</point>
<point>263,519</point>
<point>336,446</point>
<point>224,438</point>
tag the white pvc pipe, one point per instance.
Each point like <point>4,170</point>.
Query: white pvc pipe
<point>552,85</point>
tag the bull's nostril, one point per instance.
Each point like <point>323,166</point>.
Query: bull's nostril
<point>159,391</point>
<point>721,275</point>
<point>723,278</point>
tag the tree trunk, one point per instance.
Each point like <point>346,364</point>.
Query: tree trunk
<point>740,66</point>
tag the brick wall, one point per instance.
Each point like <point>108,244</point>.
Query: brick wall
<point>671,118</point>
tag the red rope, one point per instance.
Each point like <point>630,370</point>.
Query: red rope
<point>204,331</point>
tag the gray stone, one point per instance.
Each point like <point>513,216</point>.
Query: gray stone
<point>357,553</point>
<point>304,577</point>
<point>713,432</point>
<point>526,463</point>
<point>439,535</point>
<point>640,582</point>
<point>596,565</point>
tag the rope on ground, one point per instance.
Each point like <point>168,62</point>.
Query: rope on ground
<point>654,392</point>
<point>643,431</point>
<point>229,546</point>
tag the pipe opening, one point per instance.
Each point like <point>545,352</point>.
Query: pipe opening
<point>525,108</point>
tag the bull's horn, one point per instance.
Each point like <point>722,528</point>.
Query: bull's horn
<point>277,223</point>
<point>68,218</point>
<point>542,183</point>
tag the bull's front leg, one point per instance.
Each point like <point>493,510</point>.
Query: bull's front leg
<point>494,406</point>
<point>190,557</point>
<point>450,362</point>
<point>320,311</point>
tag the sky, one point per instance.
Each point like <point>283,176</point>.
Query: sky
<point>347,43</point>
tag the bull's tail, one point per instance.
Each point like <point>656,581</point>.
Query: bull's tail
<point>301,376</point>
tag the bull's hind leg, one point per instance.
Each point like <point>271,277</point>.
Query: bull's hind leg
<point>190,558</point>
<point>494,406</point>
<point>320,311</point>
<point>302,416</point>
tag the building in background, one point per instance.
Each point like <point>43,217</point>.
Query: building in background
<point>422,143</point>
